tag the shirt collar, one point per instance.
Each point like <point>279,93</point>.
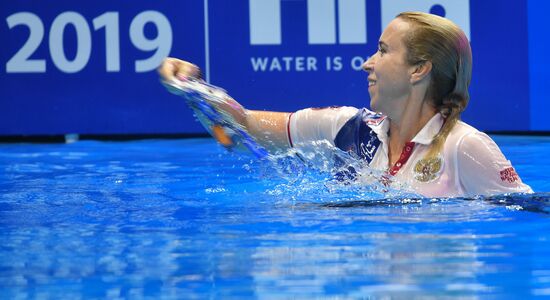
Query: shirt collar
<point>424,136</point>
<point>427,134</point>
<point>378,123</point>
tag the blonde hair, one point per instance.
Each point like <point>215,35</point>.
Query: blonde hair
<point>444,44</point>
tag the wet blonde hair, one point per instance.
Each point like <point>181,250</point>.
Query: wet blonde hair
<point>444,44</point>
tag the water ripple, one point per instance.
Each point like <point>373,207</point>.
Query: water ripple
<point>184,219</point>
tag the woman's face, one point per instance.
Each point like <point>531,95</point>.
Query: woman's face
<point>389,73</point>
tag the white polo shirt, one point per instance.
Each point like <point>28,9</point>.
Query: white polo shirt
<point>470,162</point>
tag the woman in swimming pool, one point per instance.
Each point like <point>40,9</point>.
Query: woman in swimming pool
<point>418,84</point>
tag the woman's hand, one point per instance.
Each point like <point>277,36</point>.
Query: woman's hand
<point>173,68</point>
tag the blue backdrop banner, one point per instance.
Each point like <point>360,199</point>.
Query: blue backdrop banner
<point>89,67</point>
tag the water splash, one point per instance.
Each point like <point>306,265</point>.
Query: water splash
<point>318,172</point>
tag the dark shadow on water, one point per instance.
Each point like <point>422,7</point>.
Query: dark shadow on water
<point>536,202</point>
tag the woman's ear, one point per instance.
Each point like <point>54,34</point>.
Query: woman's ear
<point>421,71</point>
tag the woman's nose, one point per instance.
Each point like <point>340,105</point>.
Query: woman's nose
<point>368,65</point>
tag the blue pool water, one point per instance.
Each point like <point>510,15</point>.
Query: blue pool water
<point>183,219</point>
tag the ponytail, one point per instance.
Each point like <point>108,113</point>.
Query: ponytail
<point>451,109</point>
<point>442,42</point>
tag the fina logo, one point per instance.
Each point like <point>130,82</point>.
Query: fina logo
<point>265,18</point>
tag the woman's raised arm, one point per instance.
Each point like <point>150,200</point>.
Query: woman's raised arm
<point>267,127</point>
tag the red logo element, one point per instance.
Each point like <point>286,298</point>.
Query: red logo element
<point>374,118</point>
<point>509,174</point>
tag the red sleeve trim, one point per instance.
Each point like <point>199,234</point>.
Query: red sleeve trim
<point>288,130</point>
